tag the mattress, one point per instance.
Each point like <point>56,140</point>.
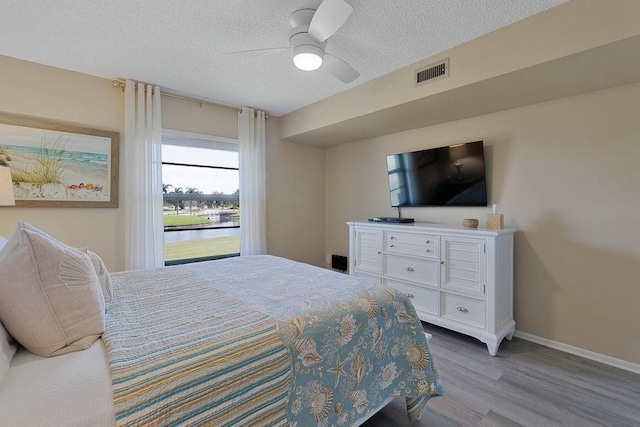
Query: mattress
<point>69,390</point>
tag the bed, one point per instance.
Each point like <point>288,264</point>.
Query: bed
<point>256,340</point>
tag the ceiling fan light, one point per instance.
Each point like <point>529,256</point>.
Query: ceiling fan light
<point>307,61</point>
<point>307,57</point>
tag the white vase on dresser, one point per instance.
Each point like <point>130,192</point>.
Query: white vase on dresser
<point>457,278</point>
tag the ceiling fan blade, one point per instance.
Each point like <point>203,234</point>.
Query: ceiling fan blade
<point>329,18</point>
<point>339,69</point>
<point>260,52</point>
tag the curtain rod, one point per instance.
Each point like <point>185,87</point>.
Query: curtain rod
<point>121,85</point>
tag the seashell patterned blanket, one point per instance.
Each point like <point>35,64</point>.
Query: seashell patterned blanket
<point>261,340</point>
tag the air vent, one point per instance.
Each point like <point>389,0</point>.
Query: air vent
<point>432,72</point>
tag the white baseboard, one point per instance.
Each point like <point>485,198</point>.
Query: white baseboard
<point>607,360</point>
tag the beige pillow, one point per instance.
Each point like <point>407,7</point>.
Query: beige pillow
<point>7,343</point>
<point>103,276</point>
<point>50,297</point>
<point>98,265</point>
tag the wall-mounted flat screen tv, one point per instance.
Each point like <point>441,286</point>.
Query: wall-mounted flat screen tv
<point>443,176</point>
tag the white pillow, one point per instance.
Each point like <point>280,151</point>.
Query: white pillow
<point>50,296</point>
<point>8,348</point>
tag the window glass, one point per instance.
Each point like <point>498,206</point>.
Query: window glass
<point>201,205</point>
<point>199,156</point>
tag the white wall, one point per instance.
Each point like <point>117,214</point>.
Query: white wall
<point>566,174</point>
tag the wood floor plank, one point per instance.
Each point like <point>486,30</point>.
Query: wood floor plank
<point>526,384</point>
<point>494,419</point>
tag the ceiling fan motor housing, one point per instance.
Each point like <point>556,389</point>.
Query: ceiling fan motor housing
<point>301,42</point>
<point>301,17</point>
<point>299,36</point>
<point>310,29</point>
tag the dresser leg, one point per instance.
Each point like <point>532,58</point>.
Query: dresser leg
<point>492,346</point>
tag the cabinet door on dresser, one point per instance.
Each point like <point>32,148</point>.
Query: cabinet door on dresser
<point>368,252</point>
<point>464,265</point>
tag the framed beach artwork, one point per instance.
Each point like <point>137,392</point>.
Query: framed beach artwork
<point>57,165</point>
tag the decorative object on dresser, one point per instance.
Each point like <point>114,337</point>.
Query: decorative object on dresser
<point>456,278</point>
<point>470,223</point>
<point>495,221</point>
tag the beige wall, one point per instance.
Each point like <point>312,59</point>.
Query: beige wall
<point>570,28</point>
<point>295,199</point>
<point>295,178</point>
<point>565,173</point>
<point>295,173</point>
<point>78,99</point>
<point>204,118</point>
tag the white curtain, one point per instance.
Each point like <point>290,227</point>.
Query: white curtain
<point>142,158</point>
<point>253,187</point>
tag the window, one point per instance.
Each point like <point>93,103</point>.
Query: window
<point>200,182</point>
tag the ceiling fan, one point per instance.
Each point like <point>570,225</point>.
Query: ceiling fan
<point>310,30</point>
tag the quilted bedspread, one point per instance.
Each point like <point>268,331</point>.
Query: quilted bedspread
<point>261,340</point>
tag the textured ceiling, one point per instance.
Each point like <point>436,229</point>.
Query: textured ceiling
<point>182,45</point>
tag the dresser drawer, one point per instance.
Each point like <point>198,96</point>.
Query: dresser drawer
<point>423,298</point>
<point>413,269</point>
<point>463,309</point>
<point>411,244</point>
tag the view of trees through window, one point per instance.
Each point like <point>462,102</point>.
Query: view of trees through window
<point>201,203</point>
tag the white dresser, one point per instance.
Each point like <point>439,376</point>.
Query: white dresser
<point>457,278</point>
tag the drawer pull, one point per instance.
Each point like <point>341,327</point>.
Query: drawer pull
<point>428,241</point>
<point>462,309</point>
<point>393,246</point>
<point>409,269</point>
<point>441,262</point>
<point>410,296</point>
<point>428,250</point>
<point>392,237</point>
<point>379,252</point>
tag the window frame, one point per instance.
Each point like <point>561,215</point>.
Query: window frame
<point>209,142</point>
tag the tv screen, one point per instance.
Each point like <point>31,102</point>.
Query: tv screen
<point>443,176</point>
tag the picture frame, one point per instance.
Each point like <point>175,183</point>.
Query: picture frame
<point>54,164</point>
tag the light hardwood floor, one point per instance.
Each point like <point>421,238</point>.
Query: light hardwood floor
<point>525,384</point>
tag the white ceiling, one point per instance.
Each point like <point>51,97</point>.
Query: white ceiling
<point>182,45</point>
